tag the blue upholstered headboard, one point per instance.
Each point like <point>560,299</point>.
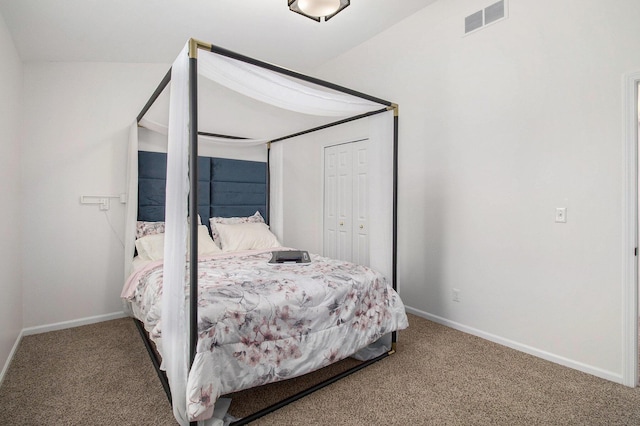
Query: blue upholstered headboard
<point>226,187</point>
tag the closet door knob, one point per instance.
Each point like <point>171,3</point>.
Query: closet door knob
<point>341,223</point>
<point>361,226</point>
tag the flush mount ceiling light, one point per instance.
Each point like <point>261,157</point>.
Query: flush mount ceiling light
<point>318,10</point>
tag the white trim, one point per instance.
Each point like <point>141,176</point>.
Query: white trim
<point>604,374</point>
<point>630,231</point>
<point>73,323</point>
<point>10,357</point>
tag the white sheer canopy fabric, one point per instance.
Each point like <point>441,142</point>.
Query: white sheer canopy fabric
<point>276,217</point>
<point>271,88</point>
<point>274,89</point>
<point>381,192</point>
<point>159,128</point>
<point>132,200</point>
<point>175,324</point>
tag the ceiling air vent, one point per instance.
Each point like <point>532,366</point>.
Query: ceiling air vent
<point>484,17</point>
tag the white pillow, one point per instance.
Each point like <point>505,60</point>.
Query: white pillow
<point>246,236</point>
<point>151,247</point>
<point>206,246</point>
<point>214,221</point>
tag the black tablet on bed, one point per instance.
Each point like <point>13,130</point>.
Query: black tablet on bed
<point>290,256</point>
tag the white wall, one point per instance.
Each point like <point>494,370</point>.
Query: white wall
<point>77,118</point>
<point>10,217</point>
<point>497,129</point>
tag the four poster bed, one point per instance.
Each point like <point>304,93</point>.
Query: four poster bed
<point>253,322</point>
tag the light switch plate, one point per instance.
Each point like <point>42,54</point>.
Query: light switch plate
<point>561,215</point>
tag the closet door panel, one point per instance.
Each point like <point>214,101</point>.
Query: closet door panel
<point>360,203</point>
<point>344,201</point>
<point>330,242</point>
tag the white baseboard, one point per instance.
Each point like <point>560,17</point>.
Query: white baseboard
<point>53,327</point>
<point>595,371</point>
<point>73,323</point>
<point>10,357</point>
<point>598,372</point>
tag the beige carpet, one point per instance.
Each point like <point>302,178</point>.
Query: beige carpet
<point>101,375</point>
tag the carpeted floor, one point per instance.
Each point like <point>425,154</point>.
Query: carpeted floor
<point>100,374</point>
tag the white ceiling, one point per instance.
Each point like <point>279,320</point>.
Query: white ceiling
<point>156,30</point>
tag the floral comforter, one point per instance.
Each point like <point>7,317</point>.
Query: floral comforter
<point>260,323</point>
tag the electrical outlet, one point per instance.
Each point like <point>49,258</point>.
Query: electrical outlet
<point>455,295</point>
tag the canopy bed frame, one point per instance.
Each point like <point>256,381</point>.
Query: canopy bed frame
<point>195,205</point>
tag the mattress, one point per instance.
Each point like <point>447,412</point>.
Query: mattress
<point>259,322</point>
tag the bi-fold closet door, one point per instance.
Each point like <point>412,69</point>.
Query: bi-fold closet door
<point>346,202</point>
